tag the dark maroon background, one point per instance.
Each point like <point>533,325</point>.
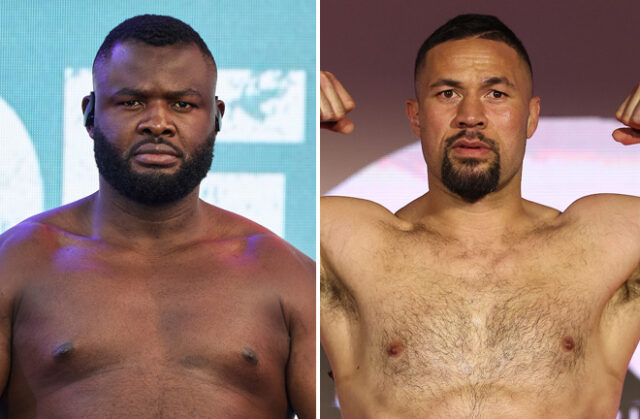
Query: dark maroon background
<point>585,55</point>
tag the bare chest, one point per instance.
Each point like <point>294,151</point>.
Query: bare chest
<point>209,315</point>
<point>449,319</point>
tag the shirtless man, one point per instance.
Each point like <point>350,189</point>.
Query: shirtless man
<point>141,300</point>
<point>471,301</point>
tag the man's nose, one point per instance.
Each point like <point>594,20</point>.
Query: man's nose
<point>157,120</point>
<point>470,114</point>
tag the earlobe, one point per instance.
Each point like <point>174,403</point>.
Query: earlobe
<point>534,115</point>
<point>88,111</point>
<point>412,109</point>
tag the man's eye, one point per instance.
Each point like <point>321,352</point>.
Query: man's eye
<point>183,105</point>
<point>496,94</point>
<point>131,103</point>
<point>447,94</point>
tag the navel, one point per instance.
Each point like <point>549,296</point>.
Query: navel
<point>63,351</point>
<point>250,356</point>
<point>568,344</point>
<point>395,349</point>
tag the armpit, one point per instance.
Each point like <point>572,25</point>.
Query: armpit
<point>631,288</point>
<point>334,295</point>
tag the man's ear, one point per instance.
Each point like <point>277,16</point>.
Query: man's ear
<point>220,105</point>
<point>219,112</point>
<point>88,112</point>
<point>413,108</point>
<point>534,115</point>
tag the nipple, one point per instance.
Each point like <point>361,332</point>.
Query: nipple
<point>63,351</point>
<point>568,344</point>
<point>395,349</point>
<point>250,356</point>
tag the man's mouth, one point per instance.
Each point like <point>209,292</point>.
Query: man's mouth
<point>471,148</point>
<point>152,154</point>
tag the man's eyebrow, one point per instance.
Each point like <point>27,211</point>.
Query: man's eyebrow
<point>183,93</point>
<point>127,91</point>
<point>445,83</point>
<point>491,81</point>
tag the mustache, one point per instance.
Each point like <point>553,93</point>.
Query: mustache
<point>471,135</point>
<point>154,140</point>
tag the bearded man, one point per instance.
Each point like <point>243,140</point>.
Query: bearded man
<point>472,301</point>
<point>142,300</point>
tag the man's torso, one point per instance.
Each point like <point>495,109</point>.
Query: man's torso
<point>105,331</point>
<point>423,324</point>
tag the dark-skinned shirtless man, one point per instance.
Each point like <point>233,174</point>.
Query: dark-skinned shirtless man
<point>472,302</point>
<point>141,300</point>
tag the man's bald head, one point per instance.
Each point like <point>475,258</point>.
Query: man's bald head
<point>154,30</point>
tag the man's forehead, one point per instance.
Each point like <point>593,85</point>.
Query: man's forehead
<point>130,59</point>
<point>482,58</point>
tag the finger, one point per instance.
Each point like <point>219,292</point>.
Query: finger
<point>345,98</point>
<point>621,109</point>
<point>631,112</point>
<point>343,126</point>
<point>627,136</point>
<point>331,107</point>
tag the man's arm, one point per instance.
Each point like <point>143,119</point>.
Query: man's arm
<point>9,253</point>
<point>301,367</point>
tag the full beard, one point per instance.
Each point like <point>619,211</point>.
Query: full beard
<point>151,188</point>
<point>465,176</point>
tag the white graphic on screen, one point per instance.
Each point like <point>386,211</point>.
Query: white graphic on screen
<point>258,196</point>
<point>262,106</point>
<point>20,179</point>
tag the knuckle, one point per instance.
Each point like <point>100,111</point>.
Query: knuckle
<point>325,79</point>
<point>327,114</point>
<point>349,104</point>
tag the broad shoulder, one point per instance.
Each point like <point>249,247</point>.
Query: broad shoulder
<point>41,232</point>
<point>272,251</point>
<point>606,211</point>
<point>353,215</point>
<point>286,270</point>
<point>38,230</point>
<point>20,247</point>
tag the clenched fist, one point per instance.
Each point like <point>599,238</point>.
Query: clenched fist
<point>629,114</point>
<point>335,103</point>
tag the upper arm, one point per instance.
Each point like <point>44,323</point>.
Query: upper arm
<point>300,308</point>
<point>9,270</point>
<point>611,225</point>
<point>348,225</point>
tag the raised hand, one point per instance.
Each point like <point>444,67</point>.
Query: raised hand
<point>335,103</point>
<point>629,114</point>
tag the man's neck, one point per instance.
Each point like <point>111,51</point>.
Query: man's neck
<point>117,219</point>
<point>493,215</point>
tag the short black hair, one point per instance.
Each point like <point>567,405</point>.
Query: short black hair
<point>471,26</point>
<point>155,30</point>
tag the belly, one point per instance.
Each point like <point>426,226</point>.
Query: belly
<point>145,391</point>
<point>359,400</point>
